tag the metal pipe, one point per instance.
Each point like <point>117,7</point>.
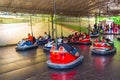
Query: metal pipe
<point>31,25</point>
<point>61,28</point>
<point>55,17</point>
<point>48,26</point>
<point>88,21</point>
<point>55,22</point>
<point>95,17</point>
<point>52,27</point>
<point>79,24</point>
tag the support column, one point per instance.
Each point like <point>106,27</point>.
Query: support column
<point>52,27</point>
<point>48,26</point>
<point>95,17</point>
<point>61,28</point>
<point>80,24</point>
<point>55,23</point>
<point>31,25</point>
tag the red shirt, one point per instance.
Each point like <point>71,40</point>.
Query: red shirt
<point>30,38</point>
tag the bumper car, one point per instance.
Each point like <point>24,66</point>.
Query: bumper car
<point>84,41</point>
<point>48,46</point>
<point>61,59</point>
<point>42,42</point>
<point>102,48</point>
<point>24,47</point>
<point>94,35</point>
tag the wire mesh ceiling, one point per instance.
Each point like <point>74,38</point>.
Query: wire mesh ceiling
<point>63,7</point>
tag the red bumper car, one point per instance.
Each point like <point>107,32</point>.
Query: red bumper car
<point>61,59</point>
<point>84,41</point>
<point>103,48</point>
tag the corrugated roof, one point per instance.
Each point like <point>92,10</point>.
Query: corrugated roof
<point>63,7</point>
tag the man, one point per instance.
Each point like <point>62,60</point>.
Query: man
<point>26,41</point>
<point>30,38</point>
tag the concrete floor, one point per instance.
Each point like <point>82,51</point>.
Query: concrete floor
<point>31,65</point>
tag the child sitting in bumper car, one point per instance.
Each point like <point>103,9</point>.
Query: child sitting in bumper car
<point>69,48</point>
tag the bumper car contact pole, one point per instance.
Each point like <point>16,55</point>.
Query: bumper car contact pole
<point>31,25</point>
<point>54,2</point>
